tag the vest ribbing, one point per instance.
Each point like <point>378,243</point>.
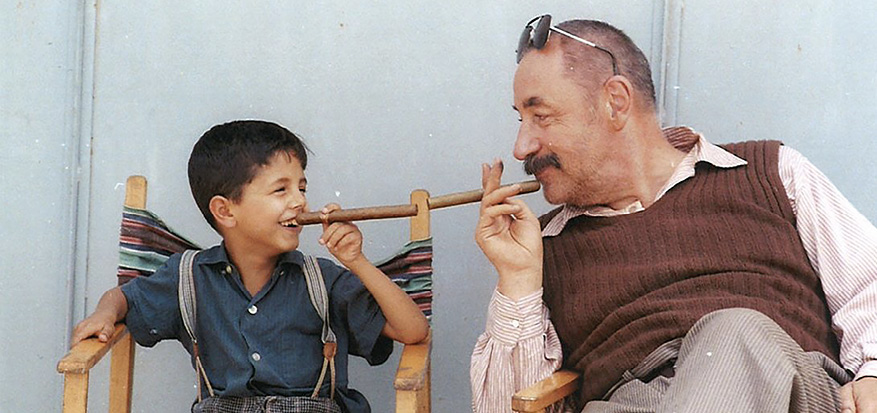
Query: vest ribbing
<point>618,287</point>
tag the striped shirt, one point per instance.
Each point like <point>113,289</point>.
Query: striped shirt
<point>519,345</point>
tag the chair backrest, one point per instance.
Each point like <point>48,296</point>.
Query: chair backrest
<point>145,241</point>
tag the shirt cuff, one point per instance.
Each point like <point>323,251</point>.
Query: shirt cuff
<point>510,321</point>
<point>867,369</point>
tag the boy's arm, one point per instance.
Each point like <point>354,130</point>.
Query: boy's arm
<point>112,307</point>
<point>405,322</point>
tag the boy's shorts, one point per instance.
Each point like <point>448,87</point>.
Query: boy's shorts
<point>266,404</point>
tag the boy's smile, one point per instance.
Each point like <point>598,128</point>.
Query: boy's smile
<point>265,214</point>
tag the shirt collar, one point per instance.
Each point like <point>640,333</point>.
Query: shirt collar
<point>218,255</point>
<point>683,138</point>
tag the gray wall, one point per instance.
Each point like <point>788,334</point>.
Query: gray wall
<point>390,97</point>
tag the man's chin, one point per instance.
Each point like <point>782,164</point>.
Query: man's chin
<point>549,192</point>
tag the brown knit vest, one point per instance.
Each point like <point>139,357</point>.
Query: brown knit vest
<point>618,287</point>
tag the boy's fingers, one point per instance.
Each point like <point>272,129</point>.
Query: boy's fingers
<point>107,333</point>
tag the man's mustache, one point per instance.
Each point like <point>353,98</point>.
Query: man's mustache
<point>533,164</point>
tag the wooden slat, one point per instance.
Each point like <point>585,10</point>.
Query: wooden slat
<point>122,375</point>
<point>135,192</point>
<point>414,401</point>
<point>420,222</point>
<point>546,392</point>
<point>85,354</point>
<point>75,392</point>
<point>414,365</point>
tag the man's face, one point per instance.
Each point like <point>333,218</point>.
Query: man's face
<point>563,135</point>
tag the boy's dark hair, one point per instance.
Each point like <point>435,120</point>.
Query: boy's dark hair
<point>227,157</point>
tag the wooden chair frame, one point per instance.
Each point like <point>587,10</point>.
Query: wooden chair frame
<point>412,380</point>
<point>544,393</point>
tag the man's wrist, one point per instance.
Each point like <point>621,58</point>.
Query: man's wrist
<point>510,321</point>
<point>519,284</point>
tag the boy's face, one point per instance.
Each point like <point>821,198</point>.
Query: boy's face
<point>267,206</point>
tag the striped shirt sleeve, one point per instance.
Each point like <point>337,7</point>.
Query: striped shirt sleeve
<point>518,348</point>
<point>842,246</point>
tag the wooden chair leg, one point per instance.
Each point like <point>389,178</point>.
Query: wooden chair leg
<point>75,392</point>
<point>122,375</point>
<point>414,401</point>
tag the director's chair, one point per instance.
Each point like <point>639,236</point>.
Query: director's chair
<point>146,242</point>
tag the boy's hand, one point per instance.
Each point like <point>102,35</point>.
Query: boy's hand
<point>101,325</point>
<point>343,239</point>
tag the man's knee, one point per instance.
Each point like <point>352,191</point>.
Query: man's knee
<point>735,322</point>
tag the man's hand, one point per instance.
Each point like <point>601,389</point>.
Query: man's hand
<point>342,239</point>
<point>859,396</point>
<point>99,324</point>
<point>509,235</point>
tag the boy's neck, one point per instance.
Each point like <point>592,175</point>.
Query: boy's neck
<point>255,269</point>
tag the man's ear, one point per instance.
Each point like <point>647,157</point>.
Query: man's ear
<point>619,100</point>
<point>223,214</point>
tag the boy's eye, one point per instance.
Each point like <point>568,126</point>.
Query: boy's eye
<point>303,190</point>
<point>280,189</point>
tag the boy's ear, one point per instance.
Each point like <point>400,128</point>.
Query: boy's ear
<point>221,208</point>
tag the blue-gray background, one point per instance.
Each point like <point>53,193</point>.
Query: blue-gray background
<point>391,96</point>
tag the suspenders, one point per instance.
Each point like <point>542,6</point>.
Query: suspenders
<point>316,292</point>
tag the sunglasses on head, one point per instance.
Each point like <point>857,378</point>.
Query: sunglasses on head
<point>538,36</point>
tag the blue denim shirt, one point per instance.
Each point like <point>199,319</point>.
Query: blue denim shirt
<point>267,344</point>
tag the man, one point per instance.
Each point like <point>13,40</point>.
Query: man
<point>679,275</point>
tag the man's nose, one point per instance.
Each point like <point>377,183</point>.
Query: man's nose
<point>527,143</point>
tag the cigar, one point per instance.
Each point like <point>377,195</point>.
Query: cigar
<point>407,210</point>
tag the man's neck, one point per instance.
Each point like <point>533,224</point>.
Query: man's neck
<point>652,161</point>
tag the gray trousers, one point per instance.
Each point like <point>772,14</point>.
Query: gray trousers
<point>733,360</point>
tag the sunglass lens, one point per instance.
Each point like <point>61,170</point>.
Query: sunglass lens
<point>540,35</point>
<point>523,43</point>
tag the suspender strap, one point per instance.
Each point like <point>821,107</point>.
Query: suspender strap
<point>320,301</point>
<point>188,310</point>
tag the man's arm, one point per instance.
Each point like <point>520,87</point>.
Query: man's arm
<point>842,247</point>
<point>519,346</point>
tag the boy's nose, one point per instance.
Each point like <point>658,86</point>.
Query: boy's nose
<point>298,200</point>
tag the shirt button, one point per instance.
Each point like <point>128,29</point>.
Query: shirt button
<point>253,309</point>
<point>256,357</point>
<point>228,269</point>
<point>153,331</point>
<point>516,323</point>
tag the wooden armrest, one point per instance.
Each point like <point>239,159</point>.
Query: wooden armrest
<point>413,371</point>
<point>546,392</point>
<point>85,354</point>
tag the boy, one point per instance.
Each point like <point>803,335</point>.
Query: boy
<point>257,332</point>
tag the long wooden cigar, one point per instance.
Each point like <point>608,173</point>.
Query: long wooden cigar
<point>407,210</point>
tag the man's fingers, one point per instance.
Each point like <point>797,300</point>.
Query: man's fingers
<point>499,195</point>
<point>491,176</point>
<point>847,403</point>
